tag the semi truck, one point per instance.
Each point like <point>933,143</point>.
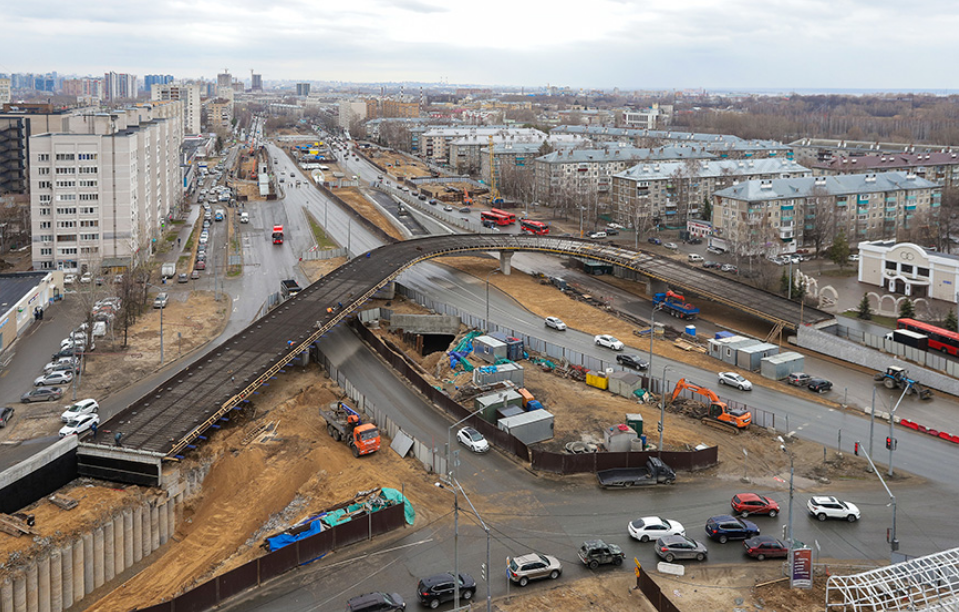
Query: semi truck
<point>675,304</point>
<point>345,424</point>
<point>655,472</point>
<point>277,234</point>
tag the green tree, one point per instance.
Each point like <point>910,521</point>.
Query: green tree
<point>952,322</point>
<point>784,283</point>
<point>863,311</point>
<point>706,211</point>
<point>907,310</point>
<point>839,251</point>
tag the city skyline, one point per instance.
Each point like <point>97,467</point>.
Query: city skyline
<point>741,44</point>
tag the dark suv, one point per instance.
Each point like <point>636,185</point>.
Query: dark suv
<point>438,589</point>
<point>376,602</point>
<point>725,527</point>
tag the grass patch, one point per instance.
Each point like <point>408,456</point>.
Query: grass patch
<point>322,240</point>
<point>178,221</point>
<point>234,271</point>
<point>837,273</point>
<point>170,238</point>
<point>889,322</point>
<point>183,260</point>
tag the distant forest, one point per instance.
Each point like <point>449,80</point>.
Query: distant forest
<point>905,118</point>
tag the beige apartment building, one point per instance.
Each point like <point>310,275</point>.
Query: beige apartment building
<point>671,193</point>
<point>781,215</point>
<point>940,167</point>
<point>101,190</point>
<point>189,94</point>
<point>436,143</point>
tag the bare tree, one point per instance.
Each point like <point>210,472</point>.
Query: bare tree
<point>819,210</point>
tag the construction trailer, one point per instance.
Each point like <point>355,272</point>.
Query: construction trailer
<point>489,349</point>
<point>487,405</point>
<point>778,367</point>
<point>529,427</point>
<point>750,357</point>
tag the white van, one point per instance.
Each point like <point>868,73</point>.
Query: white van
<point>244,217</point>
<point>694,258</point>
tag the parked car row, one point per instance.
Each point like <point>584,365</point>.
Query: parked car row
<point>801,379</point>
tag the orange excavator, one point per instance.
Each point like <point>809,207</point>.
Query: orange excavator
<point>718,414</point>
<point>467,200</point>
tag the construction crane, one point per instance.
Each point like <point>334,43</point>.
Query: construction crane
<point>494,196</point>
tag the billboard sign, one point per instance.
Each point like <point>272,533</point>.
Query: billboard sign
<point>800,575</point>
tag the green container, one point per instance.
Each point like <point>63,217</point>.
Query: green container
<point>636,422</point>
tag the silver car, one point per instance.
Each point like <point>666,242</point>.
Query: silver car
<point>556,323</point>
<point>533,567</point>
<point>673,547</point>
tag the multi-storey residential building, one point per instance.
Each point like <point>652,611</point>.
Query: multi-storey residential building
<point>722,145</point>
<point>119,86</point>
<point>17,124</point>
<point>220,113</point>
<point>100,190</point>
<point>351,113</point>
<point>812,150</point>
<point>941,167</point>
<point>467,154</point>
<point>580,171</point>
<point>302,89</point>
<point>189,94</point>
<point>4,90</point>
<point>670,193</point>
<point>779,215</point>
<point>156,79</point>
<point>83,88</point>
<point>656,116</point>
<point>256,82</point>
<point>436,144</point>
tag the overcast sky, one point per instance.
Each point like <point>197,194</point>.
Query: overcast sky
<point>631,44</point>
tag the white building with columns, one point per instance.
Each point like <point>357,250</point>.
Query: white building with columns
<point>908,269</point>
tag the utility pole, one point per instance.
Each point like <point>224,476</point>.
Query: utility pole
<point>893,541</point>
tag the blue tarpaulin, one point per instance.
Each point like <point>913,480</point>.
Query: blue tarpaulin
<point>285,539</point>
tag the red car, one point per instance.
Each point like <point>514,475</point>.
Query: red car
<point>751,503</point>
<point>765,547</point>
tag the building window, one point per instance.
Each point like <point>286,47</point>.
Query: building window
<point>43,157</point>
<point>88,210</point>
<point>66,224</point>
<point>44,225</point>
<point>923,272</point>
<point>44,185</point>
<point>45,199</point>
<point>87,156</point>
<point>67,251</point>
<point>891,265</point>
<point>66,197</point>
<point>66,184</point>
<point>46,265</point>
<point>66,170</point>
<point>43,170</point>
<point>89,236</point>
<point>45,238</point>
<point>66,157</point>
<point>88,169</point>
<point>88,197</point>
<point>90,223</point>
<point>46,251</point>
<point>66,211</point>
<point>88,183</point>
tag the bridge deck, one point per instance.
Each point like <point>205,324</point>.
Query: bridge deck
<point>178,411</point>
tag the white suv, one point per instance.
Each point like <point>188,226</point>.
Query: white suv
<point>826,506</point>
<point>609,342</point>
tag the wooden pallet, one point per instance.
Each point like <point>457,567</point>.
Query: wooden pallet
<point>63,502</point>
<point>15,526</point>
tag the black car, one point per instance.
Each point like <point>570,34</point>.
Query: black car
<point>819,385</point>
<point>695,241</point>
<point>727,527</point>
<point>654,241</point>
<point>612,232</point>
<point>711,264</point>
<point>632,361</point>
<point>66,353</point>
<point>376,602</point>
<point>438,589</point>
<point>489,223</point>
<point>6,413</point>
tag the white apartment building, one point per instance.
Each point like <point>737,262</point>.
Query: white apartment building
<point>437,142</point>
<point>4,90</point>
<point>101,190</point>
<point>189,94</point>
<point>351,112</point>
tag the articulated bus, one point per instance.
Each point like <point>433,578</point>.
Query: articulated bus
<point>537,228</point>
<point>939,339</point>
<point>497,218</point>
<point>510,217</point>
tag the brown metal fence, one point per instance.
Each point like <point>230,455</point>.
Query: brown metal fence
<point>563,463</point>
<point>653,593</point>
<point>217,590</point>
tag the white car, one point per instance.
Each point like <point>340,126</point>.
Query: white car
<point>79,425</point>
<point>56,363</point>
<point>75,411</point>
<point>735,380</point>
<point>596,235</point>
<point>694,258</point>
<point>69,279</point>
<point>615,226</point>
<point>86,278</point>
<point>555,323</point>
<point>826,506</point>
<point>473,440</point>
<point>53,379</point>
<point>80,345</point>
<point>609,342</point>
<point>654,527</point>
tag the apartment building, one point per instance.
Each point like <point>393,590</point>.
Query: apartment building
<point>780,215</point>
<point>436,143</point>
<point>671,193</point>
<point>940,167</point>
<point>466,153</point>
<point>656,116</point>
<point>220,114</point>
<point>581,171</point>
<point>722,145</point>
<point>101,189</point>
<point>119,86</point>
<point>189,94</point>
<point>302,89</point>
<point>4,90</point>
<point>17,124</point>
<point>87,88</point>
<point>350,113</point>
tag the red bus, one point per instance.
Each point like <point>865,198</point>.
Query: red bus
<point>497,218</point>
<point>510,217</point>
<point>939,339</point>
<point>537,228</point>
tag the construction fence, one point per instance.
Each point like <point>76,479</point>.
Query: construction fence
<point>216,591</point>
<point>653,593</point>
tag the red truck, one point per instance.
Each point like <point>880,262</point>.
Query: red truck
<point>277,234</point>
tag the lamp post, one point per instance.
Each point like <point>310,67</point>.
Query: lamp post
<point>662,411</point>
<point>892,419</point>
<point>792,471</point>
<point>491,273</point>
<point>161,325</point>
<point>454,485</point>
<point>652,326</point>
<point>893,541</point>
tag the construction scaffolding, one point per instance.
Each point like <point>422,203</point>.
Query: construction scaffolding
<point>923,583</point>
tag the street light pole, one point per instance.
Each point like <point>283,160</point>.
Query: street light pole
<point>161,334</point>
<point>892,420</point>
<point>893,541</point>
<point>456,486</point>
<point>662,412</point>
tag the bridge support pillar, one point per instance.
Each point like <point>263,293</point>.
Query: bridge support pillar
<point>656,286</point>
<point>504,262</point>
